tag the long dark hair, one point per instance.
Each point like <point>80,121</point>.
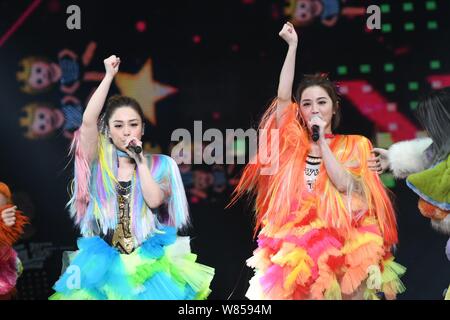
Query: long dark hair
<point>321,80</point>
<point>433,112</point>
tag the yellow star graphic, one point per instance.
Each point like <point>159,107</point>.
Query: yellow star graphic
<point>142,87</point>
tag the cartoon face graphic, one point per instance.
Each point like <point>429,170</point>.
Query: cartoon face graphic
<point>46,121</point>
<point>306,11</point>
<point>303,10</point>
<point>43,75</point>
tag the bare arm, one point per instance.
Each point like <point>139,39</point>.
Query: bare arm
<point>284,95</point>
<point>340,178</point>
<point>335,171</point>
<point>152,193</point>
<point>88,128</point>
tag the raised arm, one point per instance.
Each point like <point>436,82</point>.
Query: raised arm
<point>88,128</point>
<point>284,95</point>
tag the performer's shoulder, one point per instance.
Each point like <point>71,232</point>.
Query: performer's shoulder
<point>159,157</point>
<point>354,137</point>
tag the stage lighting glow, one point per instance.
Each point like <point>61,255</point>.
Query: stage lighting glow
<point>409,26</point>
<point>390,87</point>
<point>365,68</point>
<point>342,70</point>
<point>141,26</point>
<point>435,64</point>
<point>386,28</point>
<point>432,25</point>
<point>413,86</point>
<point>388,180</point>
<point>196,39</point>
<point>408,6</point>
<point>240,147</point>
<point>388,67</point>
<point>385,8</point>
<point>431,5</point>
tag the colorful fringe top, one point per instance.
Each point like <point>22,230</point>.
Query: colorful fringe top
<point>93,204</point>
<point>282,194</point>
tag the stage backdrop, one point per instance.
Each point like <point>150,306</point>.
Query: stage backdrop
<point>217,62</point>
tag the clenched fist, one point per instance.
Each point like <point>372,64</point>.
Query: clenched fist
<point>112,65</point>
<point>288,34</point>
<point>8,216</point>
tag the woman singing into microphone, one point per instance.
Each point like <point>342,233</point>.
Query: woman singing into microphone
<point>128,206</point>
<point>326,224</point>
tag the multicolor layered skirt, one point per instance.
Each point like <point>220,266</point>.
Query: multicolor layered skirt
<point>162,268</point>
<point>306,259</point>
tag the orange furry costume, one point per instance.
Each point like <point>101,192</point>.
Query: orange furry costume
<point>322,244</point>
<point>9,262</point>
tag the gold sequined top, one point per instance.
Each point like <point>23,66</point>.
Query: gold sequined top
<point>123,238</point>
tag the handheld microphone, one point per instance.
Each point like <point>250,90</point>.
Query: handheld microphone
<point>315,133</point>
<point>315,130</point>
<point>134,147</point>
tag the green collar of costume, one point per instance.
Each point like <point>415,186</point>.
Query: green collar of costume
<point>433,185</point>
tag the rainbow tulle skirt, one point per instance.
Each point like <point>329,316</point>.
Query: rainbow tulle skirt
<point>162,268</point>
<point>308,260</point>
